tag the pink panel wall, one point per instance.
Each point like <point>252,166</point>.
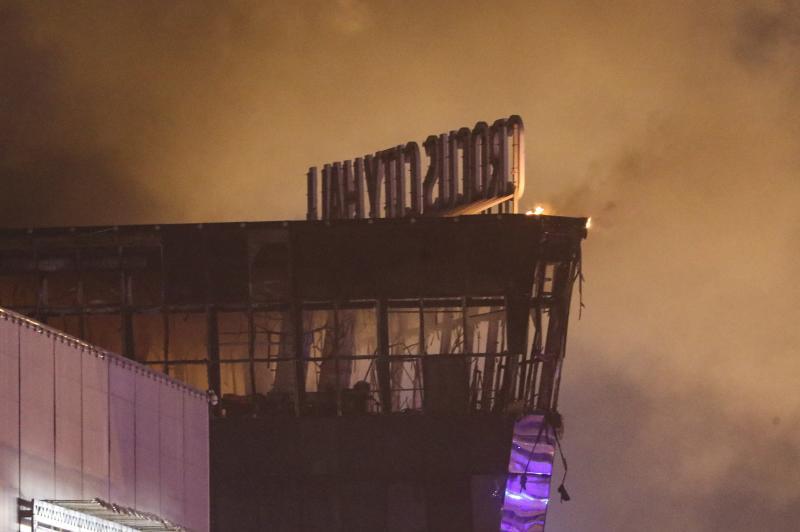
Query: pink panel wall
<point>171,452</point>
<point>37,414</point>
<point>9,421</point>
<point>69,440</point>
<point>195,456</point>
<point>79,423</point>
<point>95,426</point>
<point>122,423</point>
<point>148,489</point>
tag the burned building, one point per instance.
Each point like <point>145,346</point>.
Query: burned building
<point>381,373</point>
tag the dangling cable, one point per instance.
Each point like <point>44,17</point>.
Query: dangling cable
<point>561,489</point>
<point>523,479</point>
<point>581,279</point>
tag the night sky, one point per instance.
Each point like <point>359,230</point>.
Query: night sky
<point>675,125</point>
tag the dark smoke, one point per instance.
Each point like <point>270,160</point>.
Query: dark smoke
<point>686,360</point>
<point>55,166</point>
<point>766,34</point>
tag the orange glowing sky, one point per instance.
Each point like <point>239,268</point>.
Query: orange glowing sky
<point>674,124</point>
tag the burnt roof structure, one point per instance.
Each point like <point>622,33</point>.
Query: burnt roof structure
<point>99,282</point>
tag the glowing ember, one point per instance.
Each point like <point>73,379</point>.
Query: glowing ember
<point>536,211</point>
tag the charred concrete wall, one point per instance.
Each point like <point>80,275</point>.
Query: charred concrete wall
<point>399,473</point>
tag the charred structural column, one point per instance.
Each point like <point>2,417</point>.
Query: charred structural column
<point>382,363</point>
<point>128,347</point>
<point>296,323</point>
<point>517,313</point>
<point>571,273</point>
<point>296,319</point>
<point>214,380</point>
<point>492,332</point>
<point>556,334</point>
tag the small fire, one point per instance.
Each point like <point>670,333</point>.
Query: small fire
<point>536,211</point>
<point>589,222</point>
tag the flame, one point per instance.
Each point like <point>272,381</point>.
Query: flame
<point>536,211</point>
<point>589,222</point>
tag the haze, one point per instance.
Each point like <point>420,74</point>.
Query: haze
<point>675,125</point>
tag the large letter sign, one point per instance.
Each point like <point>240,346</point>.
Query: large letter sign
<point>468,171</point>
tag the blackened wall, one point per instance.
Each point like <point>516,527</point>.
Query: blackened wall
<point>401,472</point>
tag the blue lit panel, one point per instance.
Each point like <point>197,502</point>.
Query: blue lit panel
<point>530,468</point>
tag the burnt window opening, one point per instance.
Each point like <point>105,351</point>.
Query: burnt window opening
<point>71,324</point>
<point>102,289</point>
<point>148,338</point>
<point>444,358</point>
<point>339,352</point>
<point>226,260</point>
<point>268,256</point>
<point>62,279</point>
<point>193,374</point>
<point>187,337</point>
<point>104,330</point>
<point>143,276</point>
<point>19,290</point>
<point>185,266</point>
<point>234,337</point>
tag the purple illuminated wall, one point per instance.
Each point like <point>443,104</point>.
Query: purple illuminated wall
<point>530,467</point>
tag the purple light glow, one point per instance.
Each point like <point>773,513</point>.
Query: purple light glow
<point>530,467</point>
